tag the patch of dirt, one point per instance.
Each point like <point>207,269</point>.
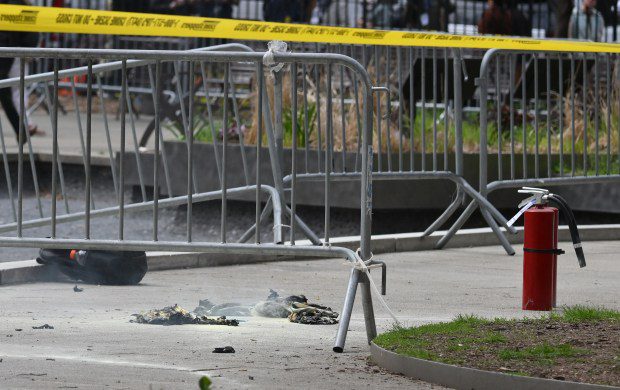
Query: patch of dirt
<point>581,352</point>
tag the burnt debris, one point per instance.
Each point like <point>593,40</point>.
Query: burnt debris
<point>176,315</point>
<point>294,307</point>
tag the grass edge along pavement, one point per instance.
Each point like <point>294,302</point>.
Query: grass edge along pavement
<point>577,343</point>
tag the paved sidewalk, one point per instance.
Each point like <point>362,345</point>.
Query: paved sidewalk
<point>93,344</point>
<point>69,145</point>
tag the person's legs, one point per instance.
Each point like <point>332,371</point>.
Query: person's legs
<point>6,100</point>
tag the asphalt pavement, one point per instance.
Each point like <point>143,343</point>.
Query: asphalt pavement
<point>94,344</point>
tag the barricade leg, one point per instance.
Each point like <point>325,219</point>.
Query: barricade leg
<point>345,316</point>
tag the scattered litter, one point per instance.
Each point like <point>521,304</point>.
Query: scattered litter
<point>250,377</point>
<point>77,289</point>
<point>44,326</point>
<point>18,330</point>
<point>176,315</point>
<point>226,349</point>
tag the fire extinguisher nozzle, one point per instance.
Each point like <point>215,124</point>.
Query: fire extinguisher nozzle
<point>581,258</point>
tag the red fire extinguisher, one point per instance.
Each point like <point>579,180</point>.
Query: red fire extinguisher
<point>540,246</point>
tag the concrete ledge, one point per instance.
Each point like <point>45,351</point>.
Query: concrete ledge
<point>29,271</point>
<point>467,378</point>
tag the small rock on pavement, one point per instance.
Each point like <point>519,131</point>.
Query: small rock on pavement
<point>227,349</point>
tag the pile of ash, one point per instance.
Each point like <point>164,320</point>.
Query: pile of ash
<point>176,315</point>
<point>294,307</point>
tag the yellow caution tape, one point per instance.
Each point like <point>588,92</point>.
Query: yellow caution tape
<point>81,21</point>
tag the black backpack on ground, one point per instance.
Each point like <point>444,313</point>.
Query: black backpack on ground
<point>97,267</point>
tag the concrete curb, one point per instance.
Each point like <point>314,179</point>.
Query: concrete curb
<point>28,271</point>
<point>467,378</point>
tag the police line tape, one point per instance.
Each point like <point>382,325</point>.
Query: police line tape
<point>82,21</point>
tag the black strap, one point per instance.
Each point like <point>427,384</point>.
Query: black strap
<point>550,251</point>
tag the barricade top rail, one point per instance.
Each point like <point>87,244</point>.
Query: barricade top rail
<point>179,55</point>
<point>81,21</point>
<point>111,66</point>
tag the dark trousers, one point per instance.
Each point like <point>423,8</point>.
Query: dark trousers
<point>6,99</point>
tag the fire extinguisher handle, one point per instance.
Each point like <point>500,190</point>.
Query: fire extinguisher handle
<point>572,226</point>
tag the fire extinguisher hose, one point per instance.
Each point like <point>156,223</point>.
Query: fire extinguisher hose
<point>572,226</point>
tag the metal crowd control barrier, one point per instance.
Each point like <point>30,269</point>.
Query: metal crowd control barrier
<point>557,113</point>
<point>268,125</point>
<point>418,120</point>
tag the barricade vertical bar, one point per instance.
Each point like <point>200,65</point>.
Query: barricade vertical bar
<point>379,134</point>
<point>214,137</point>
<point>328,152</point>
<point>423,100</point>
<point>78,117</point>
<point>446,110</point>
<point>458,112</point>
<point>596,115</point>
<point>107,131</point>
<point>358,115</point>
<point>388,107</point>
<point>561,111</point>
<point>366,218</point>
<point>190,151</point>
<point>294,149</point>
<point>524,113</point>
<point>89,136</point>
<point>136,149</point>
<point>548,108</point>
<point>608,102</point>
<point>54,146</point>
<point>177,76</point>
<point>121,163</point>
<point>156,154</point>
<point>164,157</point>
<point>304,88</point>
<point>225,154</point>
<point>434,52</point>
<point>511,91</point>
<point>233,94</point>
<point>317,83</point>
<point>400,108</point>
<point>412,105</point>
<point>585,113</point>
<point>259,142</point>
<point>342,119</point>
<point>536,153</point>
<point>20,156</point>
<point>572,114</point>
<point>498,108</point>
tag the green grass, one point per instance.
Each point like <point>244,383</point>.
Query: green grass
<point>582,313</point>
<point>465,333</point>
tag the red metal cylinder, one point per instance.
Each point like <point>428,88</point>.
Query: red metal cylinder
<point>540,235</point>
